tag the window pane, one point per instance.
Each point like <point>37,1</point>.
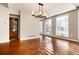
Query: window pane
<point>62,26</point>
<point>48,26</point>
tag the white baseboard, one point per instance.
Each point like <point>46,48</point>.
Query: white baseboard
<point>4,41</point>
<point>27,38</point>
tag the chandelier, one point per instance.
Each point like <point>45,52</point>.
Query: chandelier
<point>40,12</point>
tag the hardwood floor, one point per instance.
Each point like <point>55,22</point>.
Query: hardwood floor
<point>38,46</point>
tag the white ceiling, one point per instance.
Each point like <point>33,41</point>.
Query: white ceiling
<point>49,8</point>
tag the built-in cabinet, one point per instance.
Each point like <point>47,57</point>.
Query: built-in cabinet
<point>14,27</point>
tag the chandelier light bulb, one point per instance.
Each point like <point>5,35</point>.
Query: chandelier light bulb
<point>40,13</point>
<point>33,13</point>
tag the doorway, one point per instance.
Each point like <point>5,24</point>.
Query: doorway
<point>14,29</point>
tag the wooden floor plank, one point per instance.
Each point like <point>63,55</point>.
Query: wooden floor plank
<point>46,46</point>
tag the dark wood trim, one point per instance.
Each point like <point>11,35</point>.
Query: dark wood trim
<point>40,4</point>
<point>18,17</point>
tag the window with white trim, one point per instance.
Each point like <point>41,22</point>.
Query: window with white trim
<point>62,26</point>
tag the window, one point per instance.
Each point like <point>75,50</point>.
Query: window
<point>62,26</point>
<point>48,27</point>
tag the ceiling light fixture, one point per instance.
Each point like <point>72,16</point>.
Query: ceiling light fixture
<point>40,12</point>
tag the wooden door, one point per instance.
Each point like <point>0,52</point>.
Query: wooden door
<point>13,23</point>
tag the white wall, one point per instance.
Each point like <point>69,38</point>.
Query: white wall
<point>4,24</point>
<point>78,23</point>
<point>73,29</point>
<point>53,25</point>
<point>29,26</point>
<point>12,11</point>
